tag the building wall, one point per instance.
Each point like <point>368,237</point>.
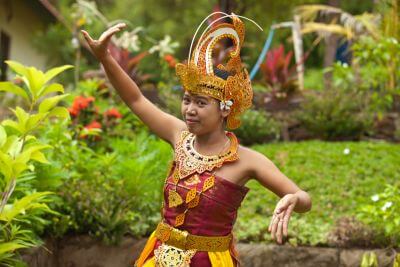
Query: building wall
<point>20,21</point>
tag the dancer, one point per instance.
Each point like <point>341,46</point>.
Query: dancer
<point>206,182</point>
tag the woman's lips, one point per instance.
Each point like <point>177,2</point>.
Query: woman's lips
<point>189,121</point>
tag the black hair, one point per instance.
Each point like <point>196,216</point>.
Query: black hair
<point>223,74</point>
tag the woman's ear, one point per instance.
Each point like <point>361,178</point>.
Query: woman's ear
<point>225,112</point>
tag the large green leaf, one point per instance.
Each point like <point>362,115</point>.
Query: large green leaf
<point>34,120</point>
<point>13,146</point>
<point>36,81</point>
<point>3,136</point>
<point>17,67</point>
<point>10,246</point>
<point>10,142</point>
<point>20,206</point>
<point>13,124</point>
<point>60,112</point>
<point>50,74</point>
<point>12,88</point>
<point>33,152</point>
<point>50,102</point>
<point>22,117</point>
<point>6,166</point>
<point>40,157</point>
<point>54,87</point>
<point>18,168</point>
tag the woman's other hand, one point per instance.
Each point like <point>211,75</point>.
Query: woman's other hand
<point>278,226</point>
<point>99,47</point>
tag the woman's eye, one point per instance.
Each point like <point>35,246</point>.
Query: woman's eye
<point>201,103</point>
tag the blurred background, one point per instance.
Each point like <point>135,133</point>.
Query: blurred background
<point>75,161</point>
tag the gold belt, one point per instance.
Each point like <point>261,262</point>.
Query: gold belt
<point>183,240</point>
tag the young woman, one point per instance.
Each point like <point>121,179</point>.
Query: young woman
<point>206,183</point>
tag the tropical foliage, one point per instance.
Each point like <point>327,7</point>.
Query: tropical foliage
<point>21,206</point>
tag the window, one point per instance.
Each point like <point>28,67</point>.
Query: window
<point>4,54</point>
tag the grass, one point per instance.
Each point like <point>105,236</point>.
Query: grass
<point>336,182</point>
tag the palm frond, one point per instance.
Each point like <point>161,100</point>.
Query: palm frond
<point>326,29</point>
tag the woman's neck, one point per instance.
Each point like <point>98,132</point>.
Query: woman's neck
<point>212,143</point>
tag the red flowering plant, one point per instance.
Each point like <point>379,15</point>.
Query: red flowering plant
<point>171,61</point>
<point>88,121</point>
<point>276,73</point>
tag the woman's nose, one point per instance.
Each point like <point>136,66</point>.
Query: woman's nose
<point>191,109</point>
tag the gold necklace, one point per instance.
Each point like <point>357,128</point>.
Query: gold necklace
<point>190,161</point>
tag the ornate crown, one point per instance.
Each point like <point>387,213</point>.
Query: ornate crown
<point>198,75</point>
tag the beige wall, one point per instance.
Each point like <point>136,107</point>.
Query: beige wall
<point>24,22</point>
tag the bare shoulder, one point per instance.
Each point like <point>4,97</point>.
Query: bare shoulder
<point>253,160</point>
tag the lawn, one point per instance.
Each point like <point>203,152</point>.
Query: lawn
<point>337,182</point>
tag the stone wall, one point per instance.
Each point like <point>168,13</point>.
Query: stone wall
<point>83,251</point>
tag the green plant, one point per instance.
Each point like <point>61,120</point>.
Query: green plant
<point>337,114</point>
<point>19,149</point>
<point>384,213</point>
<point>379,69</point>
<point>257,127</point>
<point>109,190</point>
<point>314,79</point>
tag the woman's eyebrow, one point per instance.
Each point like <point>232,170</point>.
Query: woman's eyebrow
<point>201,98</point>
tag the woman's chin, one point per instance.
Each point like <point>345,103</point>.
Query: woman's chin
<point>193,128</point>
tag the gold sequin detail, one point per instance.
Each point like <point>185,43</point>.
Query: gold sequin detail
<point>174,199</point>
<point>179,219</point>
<point>191,194</point>
<point>192,180</point>
<point>175,176</point>
<point>194,202</point>
<point>208,183</point>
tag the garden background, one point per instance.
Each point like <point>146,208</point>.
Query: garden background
<point>74,160</point>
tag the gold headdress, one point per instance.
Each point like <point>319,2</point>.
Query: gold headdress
<point>198,75</point>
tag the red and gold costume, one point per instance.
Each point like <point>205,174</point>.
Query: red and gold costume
<point>199,211</point>
<point>200,208</point>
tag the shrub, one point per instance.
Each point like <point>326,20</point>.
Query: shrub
<point>337,115</point>
<point>257,127</point>
<point>111,190</point>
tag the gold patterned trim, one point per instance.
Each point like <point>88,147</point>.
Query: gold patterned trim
<point>183,240</point>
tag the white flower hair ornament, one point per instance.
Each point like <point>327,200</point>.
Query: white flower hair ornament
<point>225,105</point>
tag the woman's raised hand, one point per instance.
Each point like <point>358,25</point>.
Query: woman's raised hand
<point>280,219</point>
<point>100,47</point>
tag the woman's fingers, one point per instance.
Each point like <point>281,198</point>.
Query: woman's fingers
<point>270,223</point>
<point>87,37</point>
<point>279,231</point>
<point>105,36</point>
<point>286,218</point>
<point>275,226</point>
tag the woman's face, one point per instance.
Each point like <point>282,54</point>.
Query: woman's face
<point>201,113</point>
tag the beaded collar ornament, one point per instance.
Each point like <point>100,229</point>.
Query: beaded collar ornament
<point>198,75</point>
<point>190,161</point>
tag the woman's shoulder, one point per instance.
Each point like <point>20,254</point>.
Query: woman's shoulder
<point>252,159</point>
<point>250,154</point>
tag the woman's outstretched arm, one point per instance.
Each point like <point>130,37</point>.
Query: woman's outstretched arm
<point>161,123</point>
<point>292,197</point>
